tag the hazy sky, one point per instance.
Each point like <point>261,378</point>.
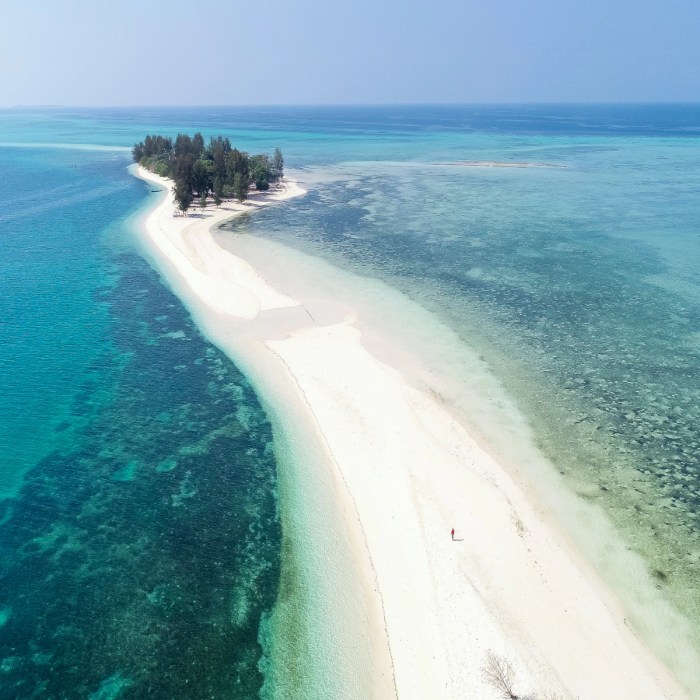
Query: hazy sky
<point>153,52</point>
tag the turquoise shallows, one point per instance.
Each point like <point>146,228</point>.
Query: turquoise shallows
<point>576,280</point>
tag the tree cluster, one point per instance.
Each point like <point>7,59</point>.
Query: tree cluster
<point>199,170</point>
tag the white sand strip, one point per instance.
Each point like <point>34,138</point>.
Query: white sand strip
<point>506,585</point>
<point>411,473</point>
<point>222,281</point>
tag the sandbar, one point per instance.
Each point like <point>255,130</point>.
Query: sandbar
<point>509,585</point>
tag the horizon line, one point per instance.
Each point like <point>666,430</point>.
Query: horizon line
<point>543,103</point>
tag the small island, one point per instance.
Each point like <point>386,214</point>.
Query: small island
<point>198,170</point>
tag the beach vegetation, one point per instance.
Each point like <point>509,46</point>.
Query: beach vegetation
<point>219,148</point>
<point>277,164</point>
<point>216,167</point>
<point>198,144</point>
<point>218,190</point>
<point>183,195</point>
<point>187,145</point>
<point>498,671</point>
<point>241,184</point>
<point>201,177</point>
<point>261,171</point>
<point>161,168</point>
<point>152,146</point>
<point>154,153</point>
<point>237,162</point>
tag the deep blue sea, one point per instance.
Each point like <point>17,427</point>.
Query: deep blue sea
<point>139,529</point>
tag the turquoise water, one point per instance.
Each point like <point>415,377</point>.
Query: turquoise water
<point>52,328</point>
<point>139,535</point>
<point>577,282</point>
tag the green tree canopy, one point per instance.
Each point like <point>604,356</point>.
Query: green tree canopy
<point>261,171</point>
<point>197,169</point>
<point>201,177</point>
<point>277,165</point>
<point>183,195</point>
<point>241,185</point>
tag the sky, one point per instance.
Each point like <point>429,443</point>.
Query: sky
<point>229,52</point>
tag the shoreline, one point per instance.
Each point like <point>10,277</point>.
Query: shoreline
<point>509,585</point>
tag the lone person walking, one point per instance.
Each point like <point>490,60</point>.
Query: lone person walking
<point>453,534</point>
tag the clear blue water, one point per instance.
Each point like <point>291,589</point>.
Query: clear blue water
<point>139,535</point>
<point>578,284</point>
<point>52,328</point>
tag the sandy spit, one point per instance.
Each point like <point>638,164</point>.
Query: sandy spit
<point>508,585</point>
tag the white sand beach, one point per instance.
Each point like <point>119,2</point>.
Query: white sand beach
<point>407,472</point>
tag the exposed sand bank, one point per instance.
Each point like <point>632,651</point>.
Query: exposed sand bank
<point>407,472</point>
